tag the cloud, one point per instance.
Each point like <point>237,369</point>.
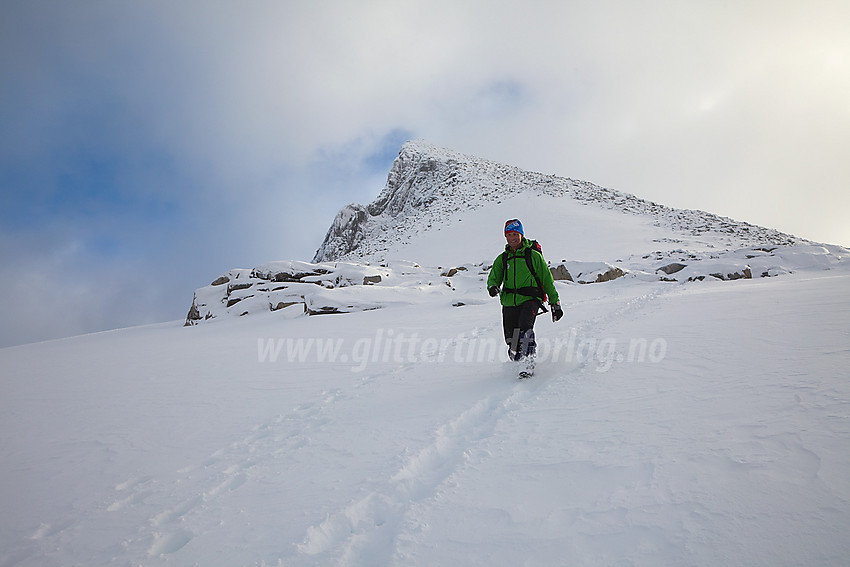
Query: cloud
<point>54,288</point>
<point>174,141</point>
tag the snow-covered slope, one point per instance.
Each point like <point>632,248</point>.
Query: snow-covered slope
<point>696,424</point>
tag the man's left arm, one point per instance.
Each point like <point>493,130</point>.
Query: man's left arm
<point>546,279</point>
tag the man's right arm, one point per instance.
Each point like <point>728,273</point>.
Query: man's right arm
<point>496,275</point>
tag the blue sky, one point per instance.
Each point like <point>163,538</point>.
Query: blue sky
<point>147,147</point>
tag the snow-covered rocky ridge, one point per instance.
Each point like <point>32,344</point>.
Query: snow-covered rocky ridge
<point>295,288</point>
<point>431,188</point>
<point>436,228</point>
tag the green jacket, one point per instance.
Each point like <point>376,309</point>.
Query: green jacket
<point>517,275</point>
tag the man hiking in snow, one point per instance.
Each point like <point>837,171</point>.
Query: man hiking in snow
<point>527,283</point>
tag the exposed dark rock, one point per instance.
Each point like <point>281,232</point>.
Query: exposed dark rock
<point>193,315</point>
<point>370,280</point>
<point>221,280</point>
<point>237,286</point>
<point>323,311</point>
<point>612,274</point>
<point>745,273</point>
<point>453,271</point>
<point>287,276</point>
<point>410,183</point>
<point>235,300</point>
<point>345,233</point>
<point>561,273</point>
<point>670,269</point>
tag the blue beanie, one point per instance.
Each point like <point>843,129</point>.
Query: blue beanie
<point>514,226</point>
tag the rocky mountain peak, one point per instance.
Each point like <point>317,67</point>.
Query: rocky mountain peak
<point>412,180</point>
<point>429,188</point>
<point>418,175</point>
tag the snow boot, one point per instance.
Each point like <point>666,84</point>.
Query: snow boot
<point>526,367</point>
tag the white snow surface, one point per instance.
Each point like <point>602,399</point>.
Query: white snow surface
<point>702,423</point>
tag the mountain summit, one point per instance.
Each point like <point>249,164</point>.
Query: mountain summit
<point>431,188</point>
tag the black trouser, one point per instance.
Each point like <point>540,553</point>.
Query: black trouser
<point>518,324</point>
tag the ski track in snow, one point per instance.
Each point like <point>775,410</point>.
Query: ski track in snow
<point>194,490</point>
<point>367,530</point>
<point>182,505</point>
<point>191,492</point>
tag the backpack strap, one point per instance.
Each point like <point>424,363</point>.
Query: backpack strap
<point>541,293</point>
<point>530,263</point>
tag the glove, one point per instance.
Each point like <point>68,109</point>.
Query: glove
<point>557,312</point>
<point>493,290</point>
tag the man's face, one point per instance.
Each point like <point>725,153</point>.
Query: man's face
<point>514,239</point>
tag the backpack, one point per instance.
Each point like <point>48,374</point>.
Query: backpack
<point>540,293</point>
